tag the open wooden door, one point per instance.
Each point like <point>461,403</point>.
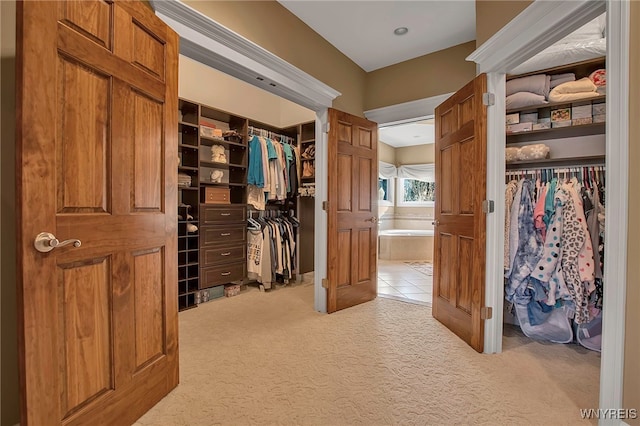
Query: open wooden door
<point>352,211</point>
<point>459,251</point>
<point>96,169</point>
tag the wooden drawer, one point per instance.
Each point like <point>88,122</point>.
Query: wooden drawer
<point>218,236</point>
<point>213,215</point>
<point>216,275</point>
<point>214,255</point>
<point>216,195</point>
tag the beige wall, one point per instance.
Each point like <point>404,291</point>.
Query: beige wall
<point>9,414</point>
<point>631,392</point>
<point>418,154</point>
<point>429,75</point>
<point>493,15</point>
<point>386,153</point>
<point>274,28</point>
<point>203,84</point>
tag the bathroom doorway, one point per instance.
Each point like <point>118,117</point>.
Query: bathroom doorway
<point>406,197</point>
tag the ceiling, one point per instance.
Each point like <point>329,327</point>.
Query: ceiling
<point>409,134</point>
<point>363,29</point>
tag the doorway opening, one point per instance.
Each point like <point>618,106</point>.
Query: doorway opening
<point>406,197</point>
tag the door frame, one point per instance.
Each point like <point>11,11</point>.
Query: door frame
<point>538,26</point>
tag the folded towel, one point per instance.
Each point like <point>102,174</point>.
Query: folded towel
<point>578,86</point>
<point>571,97</point>
<point>524,99</point>
<point>538,84</point>
<point>599,77</point>
<point>583,88</point>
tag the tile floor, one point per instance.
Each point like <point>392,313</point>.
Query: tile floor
<point>396,279</point>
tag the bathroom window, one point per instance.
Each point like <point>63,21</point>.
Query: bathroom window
<point>414,192</point>
<point>385,191</point>
<point>387,173</point>
<point>416,185</point>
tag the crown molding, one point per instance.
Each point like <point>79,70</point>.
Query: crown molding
<point>209,42</point>
<point>544,23</point>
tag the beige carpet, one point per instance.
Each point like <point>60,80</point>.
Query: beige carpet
<point>268,358</point>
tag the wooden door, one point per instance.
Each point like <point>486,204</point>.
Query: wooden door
<point>97,154</point>
<point>352,211</point>
<point>459,248</point>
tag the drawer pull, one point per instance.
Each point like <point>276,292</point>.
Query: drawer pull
<point>224,274</point>
<point>225,214</point>
<point>225,254</point>
<point>226,234</point>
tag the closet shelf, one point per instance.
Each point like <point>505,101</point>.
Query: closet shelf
<point>187,169</point>
<point>211,141</point>
<point>596,99</point>
<point>188,188</point>
<point>557,133</point>
<point>214,164</point>
<point>187,146</point>
<point>308,140</point>
<point>569,162</point>
<point>184,123</point>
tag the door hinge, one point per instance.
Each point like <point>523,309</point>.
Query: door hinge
<point>325,283</point>
<point>325,206</point>
<point>488,99</point>
<point>327,127</point>
<point>487,206</point>
<point>486,313</point>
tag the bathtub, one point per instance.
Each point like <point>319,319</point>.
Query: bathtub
<point>406,244</point>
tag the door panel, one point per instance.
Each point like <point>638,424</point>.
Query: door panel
<point>148,285</point>
<point>459,252</point>
<point>353,210</point>
<point>96,162</point>
<point>82,138</point>
<point>148,159</point>
<point>85,321</point>
<point>92,19</point>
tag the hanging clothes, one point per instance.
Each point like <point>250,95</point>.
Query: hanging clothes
<point>552,260</point>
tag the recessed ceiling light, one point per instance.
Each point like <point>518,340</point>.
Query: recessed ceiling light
<point>401,31</point>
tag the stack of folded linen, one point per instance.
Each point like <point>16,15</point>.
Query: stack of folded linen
<point>527,91</point>
<point>573,91</point>
<point>184,180</point>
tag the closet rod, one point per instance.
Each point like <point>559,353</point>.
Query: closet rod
<point>256,131</point>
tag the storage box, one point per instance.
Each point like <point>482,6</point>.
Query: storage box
<point>210,293</point>
<point>206,131</point>
<point>566,123</point>
<point>562,114</point>
<point>600,118</point>
<point>599,109</point>
<point>581,121</point>
<point>529,117</point>
<point>513,118</point>
<point>232,290</point>
<point>216,195</point>
<point>542,126</point>
<point>581,111</point>
<point>520,127</point>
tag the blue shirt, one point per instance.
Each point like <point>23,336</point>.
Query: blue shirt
<point>256,174</point>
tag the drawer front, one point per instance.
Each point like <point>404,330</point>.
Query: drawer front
<point>212,215</point>
<point>216,195</point>
<point>216,275</point>
<point>214,255</point>
<point>222,235</point>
